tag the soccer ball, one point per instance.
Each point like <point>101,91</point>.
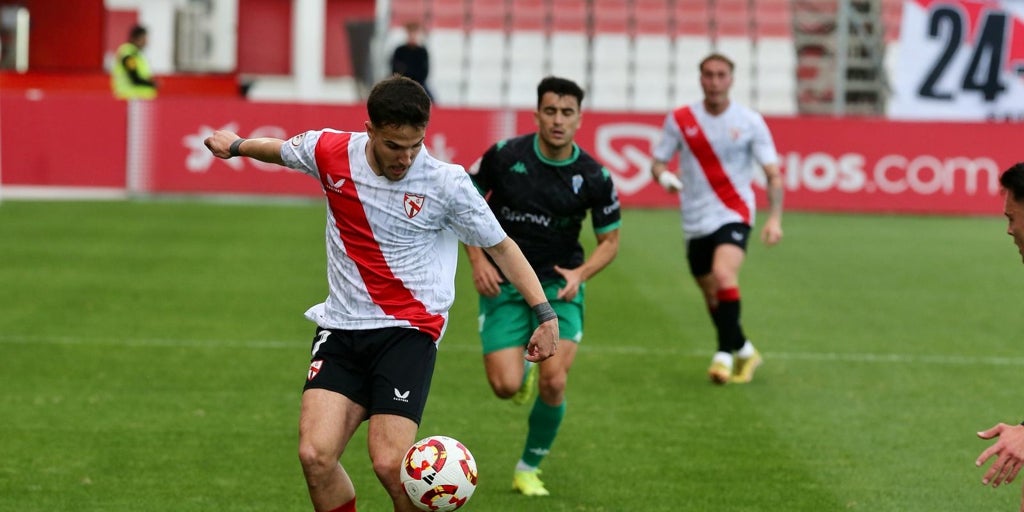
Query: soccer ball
<point>439,474</point>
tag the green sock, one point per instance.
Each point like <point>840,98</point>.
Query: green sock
<point>544,422</point>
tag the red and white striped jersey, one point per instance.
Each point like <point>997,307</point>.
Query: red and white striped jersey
<point>392,246</point>
<point>716,159</point>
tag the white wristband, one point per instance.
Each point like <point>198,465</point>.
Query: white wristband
<point>669,181</point>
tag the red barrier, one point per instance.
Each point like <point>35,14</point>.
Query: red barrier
<point>829,164</point>
<point>180,163</point>
<point>62,141</point>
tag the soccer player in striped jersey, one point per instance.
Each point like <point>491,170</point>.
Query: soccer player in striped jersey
<point>541,187</point>
<point>395,216</point>
<point>720,144</point>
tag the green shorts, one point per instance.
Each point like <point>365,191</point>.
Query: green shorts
<point>506,321</point>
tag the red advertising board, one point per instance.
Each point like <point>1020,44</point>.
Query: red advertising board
<point>829,164</point>
<point>179,162</point>
<point>62,141</point>
<point>833,164</point>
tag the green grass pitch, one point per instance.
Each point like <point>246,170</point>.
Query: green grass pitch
<point>152,355</point>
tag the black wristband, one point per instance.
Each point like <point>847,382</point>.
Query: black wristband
<point>544,312</point>
<point>234,147</point>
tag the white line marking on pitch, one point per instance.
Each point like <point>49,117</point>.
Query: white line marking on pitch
<point>302,344</point>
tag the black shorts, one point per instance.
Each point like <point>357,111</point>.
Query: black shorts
<point>386,370</point>
<point>700,252</point>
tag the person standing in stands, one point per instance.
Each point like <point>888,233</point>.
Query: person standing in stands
<point>720,144</point>
<point>412,59</point>
<point>131,77</point>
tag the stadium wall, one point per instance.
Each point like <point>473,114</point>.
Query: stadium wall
<point>152,148</point>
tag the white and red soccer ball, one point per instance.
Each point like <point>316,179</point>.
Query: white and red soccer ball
<point>439,474</point>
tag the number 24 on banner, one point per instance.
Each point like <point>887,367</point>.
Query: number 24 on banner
<point>960,59</point>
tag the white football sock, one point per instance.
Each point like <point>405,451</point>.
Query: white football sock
<point>747,350</point>
<point>724,358</point>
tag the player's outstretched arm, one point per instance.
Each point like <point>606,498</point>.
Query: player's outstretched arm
<point>509,258</point>
<point>1009,453</point>
<point>225,144</point>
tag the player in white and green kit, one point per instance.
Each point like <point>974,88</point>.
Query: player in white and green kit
<point>541,187</point>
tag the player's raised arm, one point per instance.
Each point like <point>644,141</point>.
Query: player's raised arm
<point>225,144</point>
<point>512,262</point>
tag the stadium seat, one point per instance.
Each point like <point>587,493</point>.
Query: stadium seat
<point>610,17</point>
<point>528,63</point>
<point>404,11</point>
<point>740,50</point>
<point>651,17</point>
<point>773,18</point>
<point>611,67</point>
<point>487,67</point>
<point>776,76</point>
<point>569,16</point>
<point>691,18</point>
<point>651,76</point>
<point>487,15</point>
<point>569,55</point>
<point>731,18</point>
<point>689,51</point>
<point>447,14</point>
<point>447,53</point>
<point>529,15</point>
<point>528,52</point>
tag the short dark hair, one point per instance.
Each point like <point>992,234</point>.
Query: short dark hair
<point>561,87</point>
<point>398,101</point>
<point>136,32</point>
<point>1012,180</point>
<point>719,57</point>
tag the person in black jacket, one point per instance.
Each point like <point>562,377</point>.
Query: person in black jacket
<point>412,59</point>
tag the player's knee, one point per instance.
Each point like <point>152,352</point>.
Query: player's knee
<point>388,470</point>
<point>504,387</point>
<point>315,462</point>
<point>552,385</point>
<point>724,278</point>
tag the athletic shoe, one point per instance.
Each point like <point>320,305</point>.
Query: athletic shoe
<point>719,373</point>
<point>529,388</point>
<point>528,484</point>
<point>743,371</point>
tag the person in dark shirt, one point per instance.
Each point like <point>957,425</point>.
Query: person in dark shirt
<point>541,187</point>
<point>412,59</point>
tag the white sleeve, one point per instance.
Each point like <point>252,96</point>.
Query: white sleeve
<point>667,146</point>
<point>468,214</point>
<point>763,147</point>
<point>299,152</point>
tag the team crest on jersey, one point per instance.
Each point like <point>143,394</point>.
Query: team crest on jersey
<point>314,368</point>
<point>735,133</point>
<point>413,204</point>
<point>577,182</point>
